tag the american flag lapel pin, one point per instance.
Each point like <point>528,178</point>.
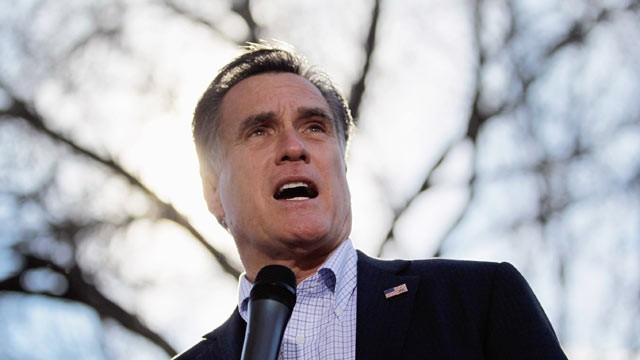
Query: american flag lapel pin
<point>396,290</point>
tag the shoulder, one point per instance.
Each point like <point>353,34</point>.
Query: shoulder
<point>199,351</point>
<point>225,342</point>
<point>475,302</point>
<point>448,279</point>
<point>477,277</point>
<point>440,268</point>
<point>462,269</point>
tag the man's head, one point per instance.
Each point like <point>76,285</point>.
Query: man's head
<point>271,136</point>
<point>259,59</point>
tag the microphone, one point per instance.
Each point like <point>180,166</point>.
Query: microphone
<point>271,303</point>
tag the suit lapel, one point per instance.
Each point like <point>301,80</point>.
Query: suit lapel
<point>229,337</point>
<point>382,323</point>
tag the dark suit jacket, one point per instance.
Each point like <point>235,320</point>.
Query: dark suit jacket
<point>453,310</point>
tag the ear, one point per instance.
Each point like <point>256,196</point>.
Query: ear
<point>211,196</point>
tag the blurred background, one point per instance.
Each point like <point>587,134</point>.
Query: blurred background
<point>490,130</point>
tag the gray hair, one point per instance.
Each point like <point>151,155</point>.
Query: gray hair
<point>258,59</point>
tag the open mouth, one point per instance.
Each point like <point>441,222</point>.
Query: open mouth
<point>296,191</point>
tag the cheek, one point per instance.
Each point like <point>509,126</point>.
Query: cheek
<point>341,187</point>
<point>241,186</point>
<point>345,194</point>
<point>227,191</point>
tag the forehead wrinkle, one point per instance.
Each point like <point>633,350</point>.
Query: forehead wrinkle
<point>308,112</point>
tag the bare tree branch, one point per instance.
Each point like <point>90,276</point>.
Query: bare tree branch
<point>81,290</point>
<point>461,215</point>
<point>479,116</point>
<point>580,29</point>
<point>400,210</point>
<point>106,33</point>
<point>240,7</point>
<point>358,88</point>
<point>197,18</point>
<point>19,109</point>
<point>476,119</point>
<point>243,8</point>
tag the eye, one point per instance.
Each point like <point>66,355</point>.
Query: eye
<point>316,128</point>
<point>258,131</point>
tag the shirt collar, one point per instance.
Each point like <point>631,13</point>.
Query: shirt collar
<point>334,273</point>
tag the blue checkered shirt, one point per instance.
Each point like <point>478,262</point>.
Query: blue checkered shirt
<point>323,323</point>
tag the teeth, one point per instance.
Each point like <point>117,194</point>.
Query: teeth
<point>297,190</point>
<point>293,185</point>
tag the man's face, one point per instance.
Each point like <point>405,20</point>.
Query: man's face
<point>281,187</point>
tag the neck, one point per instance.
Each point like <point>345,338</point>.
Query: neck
<point>303,264</point>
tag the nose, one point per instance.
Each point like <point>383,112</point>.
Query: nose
<point>292,147</point>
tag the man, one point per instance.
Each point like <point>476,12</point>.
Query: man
<point>271,135</point>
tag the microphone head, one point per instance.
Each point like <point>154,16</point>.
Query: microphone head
<point>275,282</point>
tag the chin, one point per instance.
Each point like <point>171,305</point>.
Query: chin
<point>306,233</point>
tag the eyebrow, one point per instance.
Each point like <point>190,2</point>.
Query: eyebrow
<point>256,120</point>
<point>268,117</point>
